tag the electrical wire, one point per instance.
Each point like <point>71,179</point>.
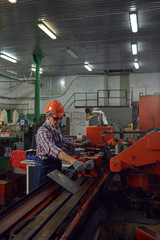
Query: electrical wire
<point>18,225</point>
<point>67,88</point>
<point>18,85</point>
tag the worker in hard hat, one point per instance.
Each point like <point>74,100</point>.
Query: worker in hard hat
<point>49,142</point>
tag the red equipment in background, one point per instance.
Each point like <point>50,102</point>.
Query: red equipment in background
<point>149,112</point>
<point>93,133</point>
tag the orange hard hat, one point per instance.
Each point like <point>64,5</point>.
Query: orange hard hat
<point>55,107</point>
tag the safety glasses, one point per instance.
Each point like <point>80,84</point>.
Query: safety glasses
<point>56,119</point>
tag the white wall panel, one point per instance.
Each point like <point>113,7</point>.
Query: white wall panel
<point>149,84</point>
<point>51,88</point>
<point>114,83</point>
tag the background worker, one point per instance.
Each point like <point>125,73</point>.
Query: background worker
<point>49,143</point>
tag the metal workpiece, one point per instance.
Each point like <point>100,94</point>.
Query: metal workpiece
<point>90,164</point>
<point>64,181</point>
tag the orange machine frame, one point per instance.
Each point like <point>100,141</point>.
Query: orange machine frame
<point>144,152</point>
<point>149,114</point>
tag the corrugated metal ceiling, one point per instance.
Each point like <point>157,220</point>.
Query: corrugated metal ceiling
<point>98,31</point>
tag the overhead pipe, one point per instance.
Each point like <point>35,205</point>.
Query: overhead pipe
<point>14,78</point>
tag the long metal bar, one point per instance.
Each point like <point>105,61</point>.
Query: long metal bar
<point>44,216</point>
<point>86,206</point>
<point>15,214</point>
<point>49,229</point>
<point>53,210</point>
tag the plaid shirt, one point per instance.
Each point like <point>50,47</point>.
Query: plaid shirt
<point>45,141</point>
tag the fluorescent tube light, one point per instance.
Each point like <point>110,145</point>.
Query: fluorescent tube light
<point>12,72</point>
<point>8,57</point>
<point>73,54</point>
<point>33,68</point>
<point>134,23</point>
<point>46,29</point>
<point>62,83</point>
<point>40,70</point>
<point>12,1</point>
<point>134,49</point>
<point>88,67</point>
<point>136,64</point>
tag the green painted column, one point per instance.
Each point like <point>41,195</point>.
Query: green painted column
<point>37,60</point>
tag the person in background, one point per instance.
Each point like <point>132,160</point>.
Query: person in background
<point>49,143</point>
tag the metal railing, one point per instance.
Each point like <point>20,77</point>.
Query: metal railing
<point>101,98</point>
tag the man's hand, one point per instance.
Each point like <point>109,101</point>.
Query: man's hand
<point>79,166</point>
<point>86,143</point>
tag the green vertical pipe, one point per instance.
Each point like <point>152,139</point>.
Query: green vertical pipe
<point>37,60</point>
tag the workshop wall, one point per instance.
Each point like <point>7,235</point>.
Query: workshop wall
<point>119,117</point>
<point>21,95</point>
<point>16,95</point>
<point>71,84</point>
<point>148,83</point>
<point>4,91</point>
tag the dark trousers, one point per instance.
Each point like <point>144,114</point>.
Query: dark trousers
<point>43,167</point>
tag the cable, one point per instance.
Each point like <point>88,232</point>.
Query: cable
<point>16,85</point>
<point>18,225</point>
<point>67,87</point>
<point>11,90</point>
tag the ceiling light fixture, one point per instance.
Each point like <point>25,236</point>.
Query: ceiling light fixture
<point>73,54</point>
<point>46,29</point>
<point>134,49</point>
<point>87,66</point>
<point>12,72</point>
<point>134,23</point>
<point>8,57</point>
<point>62,82</point>
<point>33,68</point>
<point>40,70</point>
<point>12,1</point>
<point>136,64</point>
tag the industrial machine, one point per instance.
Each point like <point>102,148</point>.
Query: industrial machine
<point>149,114</point>
<point>12,184</point>
<point>140,166</point>
<point>93,133</point>
<point>51,212</point>
<point>7,145</point>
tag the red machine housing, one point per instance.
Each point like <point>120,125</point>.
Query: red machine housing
<point>141,162</point>
<point>149,114</point>
<point>95,172</point>
<point>121,140</point>
<point>93,133</point>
